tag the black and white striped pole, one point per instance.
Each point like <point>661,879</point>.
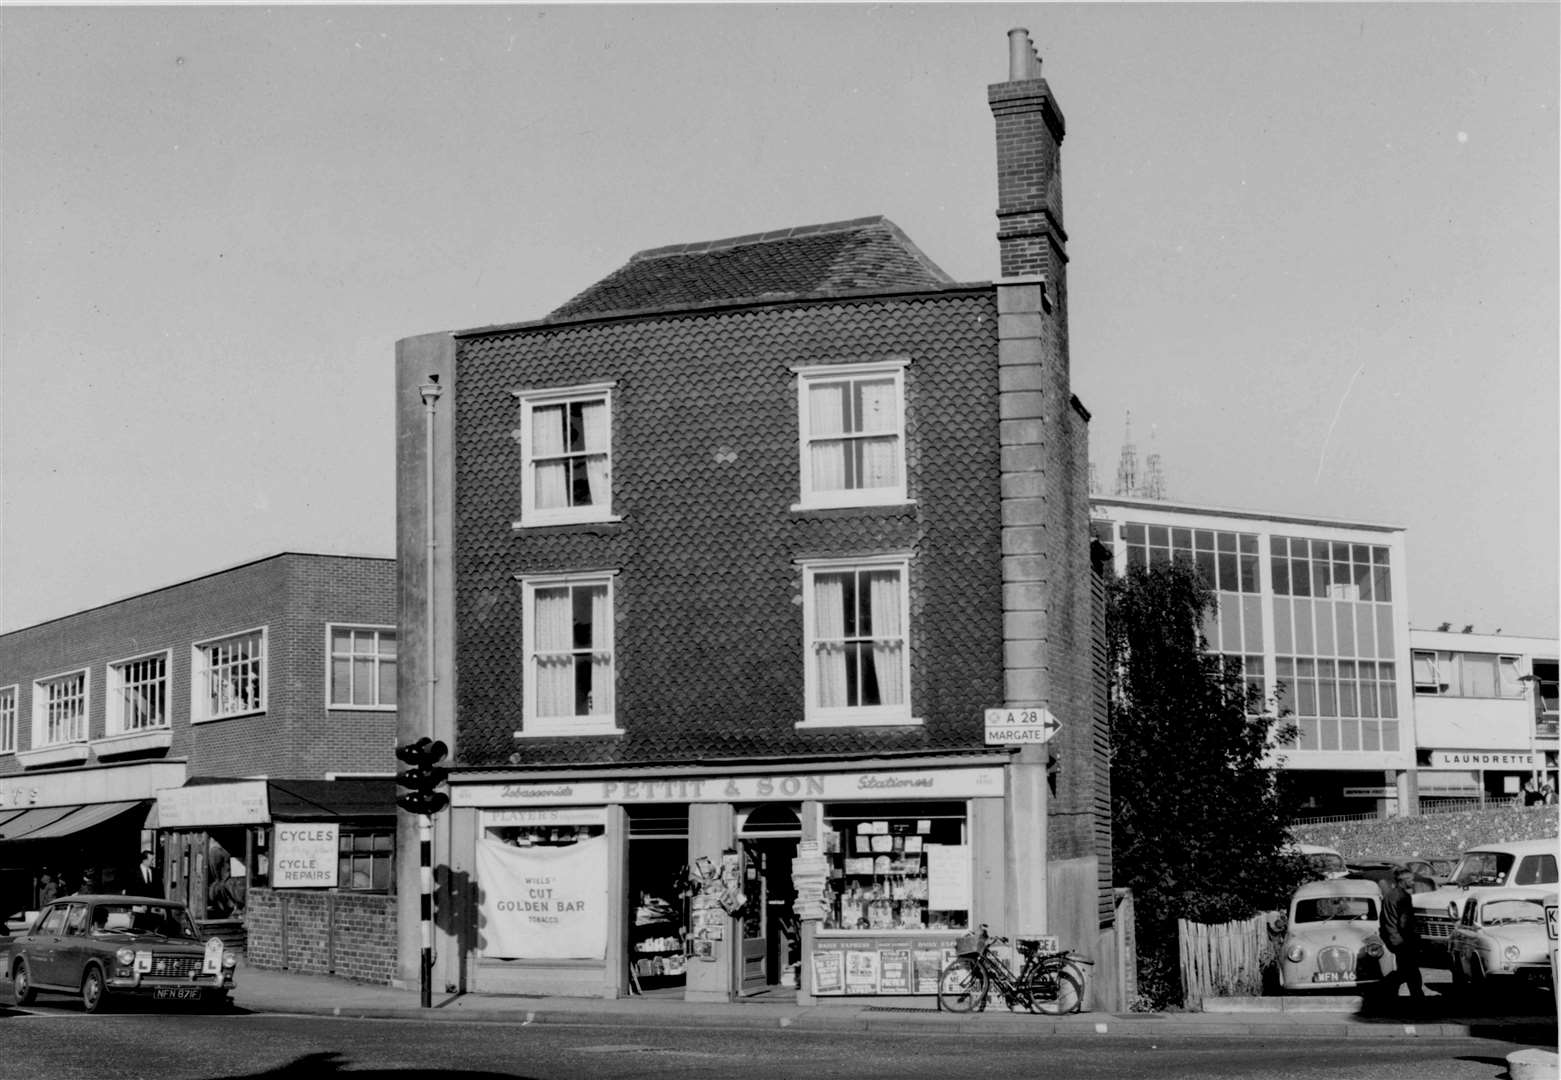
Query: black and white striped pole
<point>421,779</point>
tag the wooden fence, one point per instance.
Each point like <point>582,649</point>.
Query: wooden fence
<point>1224,959</point>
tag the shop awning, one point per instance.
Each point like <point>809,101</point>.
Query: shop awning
<point>53,822</point>
<point>316,800</point>
<point>1449,783</point>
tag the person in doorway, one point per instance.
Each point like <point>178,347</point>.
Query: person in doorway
<point>146,882</point>
<point>47,889</point>
<point>1531,795</point>
<point>1547,791</point>
<point>1402,937</point>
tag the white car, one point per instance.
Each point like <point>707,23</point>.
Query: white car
<point>1330,937</point>
<point>1325,860</point>
<point>1482,868</point>
<point>1501,935</point>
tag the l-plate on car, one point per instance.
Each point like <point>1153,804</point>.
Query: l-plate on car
<point>103,947</point>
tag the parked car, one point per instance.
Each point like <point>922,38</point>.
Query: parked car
<point>1500,936</point>
<point>1442,867</point>
<point>1325,860</point>
<point>1483,867</point>
<point>1422,867</point>
<point>1383,873</point>
<point>1331,939</point>
<point>103,947</point>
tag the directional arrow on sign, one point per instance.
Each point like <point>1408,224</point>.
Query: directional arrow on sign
<point>1006,727</point>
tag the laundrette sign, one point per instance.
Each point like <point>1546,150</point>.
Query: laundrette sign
<point>1482,759</point>
<point>910,784</point>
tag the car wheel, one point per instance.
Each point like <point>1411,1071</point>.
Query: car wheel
<point>22,984</point>
<point>94,995</point>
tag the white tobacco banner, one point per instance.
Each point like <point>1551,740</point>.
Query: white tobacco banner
<point>543,902</point>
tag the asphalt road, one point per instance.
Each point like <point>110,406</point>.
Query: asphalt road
<point>64,1044</point>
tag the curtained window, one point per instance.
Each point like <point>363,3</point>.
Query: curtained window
<point>569,655</point>
<point>857,632</point>
<point>566,440</point>
<point>852,422</point>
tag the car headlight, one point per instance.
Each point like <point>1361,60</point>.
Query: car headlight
<point>1511,954</point>
<point>1373,949</point>
<point>230,960</point>
<point>126,957</point>
<point>1294,954</point>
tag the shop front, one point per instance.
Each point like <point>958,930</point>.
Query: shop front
<point>820,881</point>
<point>1481,776</point>
<point>76,830</point>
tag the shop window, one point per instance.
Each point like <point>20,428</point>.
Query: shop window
<point>367,860</point>
<point>893,867</point>
<point>544,884</point>
<point>363,667</point>
<point>852,422</point>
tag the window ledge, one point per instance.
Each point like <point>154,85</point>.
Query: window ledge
<point>897,505</point>
<point>131,742</point>
<point>565,523</point>
<point>226,716</point>
<point>61,754</point>
<point>893,721</point>
<point>569,733</point>
<point>360,708</point>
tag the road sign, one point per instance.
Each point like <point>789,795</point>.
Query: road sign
<point>1005,727</point>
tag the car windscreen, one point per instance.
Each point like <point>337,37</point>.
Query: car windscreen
<point>1326,908</point>
<point>1482,868</point>
<point>1327,863</point>
<point>1508,912</point>
<point>173,922</point>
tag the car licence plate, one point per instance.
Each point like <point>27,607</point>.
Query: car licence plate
<point>176,993</point>
<point>1326,976</point>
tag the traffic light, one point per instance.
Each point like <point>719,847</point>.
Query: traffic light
<point>424,775</point>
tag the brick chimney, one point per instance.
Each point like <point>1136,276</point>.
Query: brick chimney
<point>1030,237</point>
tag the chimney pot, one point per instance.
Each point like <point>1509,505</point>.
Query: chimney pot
<point>1022,61</point>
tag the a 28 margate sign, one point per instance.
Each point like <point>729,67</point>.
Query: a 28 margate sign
<point>966,783</point>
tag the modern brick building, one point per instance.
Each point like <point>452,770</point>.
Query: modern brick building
<point>194,720</point>
<point>709,579</point>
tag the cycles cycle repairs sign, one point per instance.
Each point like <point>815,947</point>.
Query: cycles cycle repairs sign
<point>305,855</point>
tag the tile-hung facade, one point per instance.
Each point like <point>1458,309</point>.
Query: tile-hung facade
<point>1314,612</point>
<point>708,578</point>
<point>183,721</point>
<point>1485,713</point>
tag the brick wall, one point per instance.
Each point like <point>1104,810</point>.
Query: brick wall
<point>1431,834</point>
<point>352,935</point>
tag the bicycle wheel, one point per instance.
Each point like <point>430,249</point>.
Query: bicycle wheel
<point>961,986</point>
<point>1056,993</point>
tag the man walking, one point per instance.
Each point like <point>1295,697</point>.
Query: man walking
<point>147,883</point>
<point>1402,936</point>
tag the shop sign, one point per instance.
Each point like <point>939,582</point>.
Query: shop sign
<point>879,966</point>
<point>242,802</point>
<point>789,787</point>
<point>305,856</point>
<point>12,797</point>
<point>1483,759</point>
<point>1380,791</point>
<point>543,902</point>
<point>544,816</point>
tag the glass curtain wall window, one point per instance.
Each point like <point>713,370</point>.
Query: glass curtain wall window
<point>229,676</point>
<point>857,643</point>
<point>8,720</point>
<point>138,694</point>
<point>569,662</point>
<point>853,435</point>
<point>60,709</point>
<point>566,438</point>
<point>1334,643</point>
<point>363,667</point>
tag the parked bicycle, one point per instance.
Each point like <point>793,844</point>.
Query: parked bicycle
<point>1048,982</point>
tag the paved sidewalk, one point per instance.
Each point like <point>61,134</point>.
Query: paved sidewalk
<point>265,991</point>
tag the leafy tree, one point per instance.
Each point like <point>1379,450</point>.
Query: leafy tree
<point>1200,820</point>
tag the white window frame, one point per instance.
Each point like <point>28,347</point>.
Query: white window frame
<point>41,705</point>
<point>533,725</point>
<point>807,377</point>
<point>529,401</point>
<point>200,675</point>
<point>9,695</point>
<point>331,629</point>
<point>114,681</point>
<point>815,716</point>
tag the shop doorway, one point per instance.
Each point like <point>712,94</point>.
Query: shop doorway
<point>658,913</point>
<point>770,944</point>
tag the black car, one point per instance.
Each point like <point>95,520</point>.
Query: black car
<point>102,947</point>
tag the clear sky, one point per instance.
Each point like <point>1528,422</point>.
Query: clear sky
<point>1314,247</point>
